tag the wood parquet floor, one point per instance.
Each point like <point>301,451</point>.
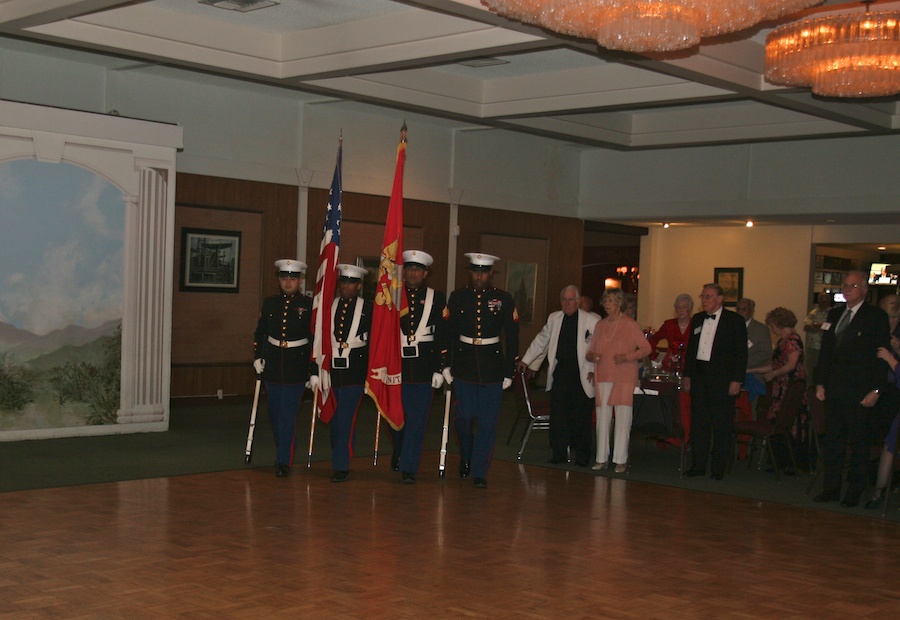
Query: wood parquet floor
<point>538,543</point>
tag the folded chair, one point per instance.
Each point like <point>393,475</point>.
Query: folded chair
<point>538,410</point>
<point>816,409</point>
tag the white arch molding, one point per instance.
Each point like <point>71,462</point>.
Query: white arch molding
<point>139,158</point>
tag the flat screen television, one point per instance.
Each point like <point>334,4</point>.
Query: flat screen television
<point>878,274</point>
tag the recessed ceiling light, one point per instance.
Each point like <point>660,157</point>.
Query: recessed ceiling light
<point>665,224</point>
<point>749,224</point>
<point>482,61</point>
<point>882,248</point>
<point>243,6</point>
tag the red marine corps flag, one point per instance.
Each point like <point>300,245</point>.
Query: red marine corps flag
<point>326,280</point>
<point>384,381</point>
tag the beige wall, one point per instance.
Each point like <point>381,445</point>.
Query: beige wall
<point>775,259</point>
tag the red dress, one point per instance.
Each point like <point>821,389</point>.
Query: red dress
<point>678,342</point>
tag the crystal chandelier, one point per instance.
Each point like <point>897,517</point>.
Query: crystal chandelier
<point>645,25</point>
<point>849,55</point>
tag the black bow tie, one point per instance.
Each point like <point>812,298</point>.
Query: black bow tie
<point>710,316</point>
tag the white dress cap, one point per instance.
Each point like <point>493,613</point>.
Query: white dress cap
<point>481,260</point>
<point>417,256</point>
<point>351,271</point>
<point>289,265</point>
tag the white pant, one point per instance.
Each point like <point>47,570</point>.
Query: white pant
<point>623,428</point>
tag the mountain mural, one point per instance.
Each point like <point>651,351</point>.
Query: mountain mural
<point>23,346</point>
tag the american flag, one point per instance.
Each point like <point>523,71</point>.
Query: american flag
<point>326,280</point>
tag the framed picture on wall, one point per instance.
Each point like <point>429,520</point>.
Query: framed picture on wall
<point>521,281</point>
<point>210,260</point>
<point>731,279</point>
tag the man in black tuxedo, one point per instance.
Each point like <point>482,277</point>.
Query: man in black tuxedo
<point>714,369</point>
<point>849,379</point>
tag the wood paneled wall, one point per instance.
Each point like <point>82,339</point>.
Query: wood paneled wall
<point>212,333</point>
<point>204,361</point>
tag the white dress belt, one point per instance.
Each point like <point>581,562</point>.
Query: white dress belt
<point>479,341</point>
<point>406,340</point>
<point>287,344</point>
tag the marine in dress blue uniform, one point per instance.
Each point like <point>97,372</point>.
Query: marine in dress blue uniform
<point>423,349</point>
<point>282,357</point>
<point>480,363</point>
<point>351,321</point>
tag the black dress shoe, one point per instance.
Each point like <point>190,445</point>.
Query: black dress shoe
<point>555,461</point>
<point>582,463</point>
<point>850,502</point>
<point>282,471</point>
<point>395,462</point>
<point>480,483</point>
<point>826,496</point>
<point>408,478</point>
<point>340,476</point>
<point>717,477</point>
<point>464,469</point>
<point>876,502</point>
<point>693,472</point>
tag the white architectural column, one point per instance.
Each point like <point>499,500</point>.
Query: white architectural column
<point>146,321</point>
<point>453,237</point>
<point>304,175</point>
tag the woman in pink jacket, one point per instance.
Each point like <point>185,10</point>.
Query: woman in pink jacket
<point>617,345</point>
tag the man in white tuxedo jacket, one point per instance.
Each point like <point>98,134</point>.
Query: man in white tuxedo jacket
<point>564,340</point>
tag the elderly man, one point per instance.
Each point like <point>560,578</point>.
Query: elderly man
<point>759,340</point>
<point>482,366</point>
<point>714,368</point>
<point>849,378</point>
<point>565,338</point>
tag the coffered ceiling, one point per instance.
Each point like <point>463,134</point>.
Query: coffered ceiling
<point>454,59</point>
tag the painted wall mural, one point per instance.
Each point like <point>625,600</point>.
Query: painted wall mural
<point>61,296</point>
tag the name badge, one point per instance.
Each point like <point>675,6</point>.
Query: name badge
<point>826,326</point>
<point>749,344</point>
<point>697,330</point>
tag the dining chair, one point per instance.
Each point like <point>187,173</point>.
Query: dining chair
<point>762,432</point>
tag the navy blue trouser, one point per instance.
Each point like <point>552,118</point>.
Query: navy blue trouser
<point>342,425</point>
<point>284,403</point>
<point>478,406</point>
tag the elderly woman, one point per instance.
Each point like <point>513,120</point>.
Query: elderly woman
<point>616,346</point>
<point>787,359</point>
<point>676,332</point>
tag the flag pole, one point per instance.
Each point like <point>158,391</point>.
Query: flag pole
<point>312,426</point>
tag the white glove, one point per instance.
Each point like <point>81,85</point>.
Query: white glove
<point>437,380</point>
<point>507,381</point>
<point>313,382</point>
<point>447,376</point>
<point>259,365</point>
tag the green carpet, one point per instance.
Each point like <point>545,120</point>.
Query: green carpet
<point>210,435</point>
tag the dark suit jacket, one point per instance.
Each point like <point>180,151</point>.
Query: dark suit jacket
<point>728,361</point>
<point>847,364</point>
